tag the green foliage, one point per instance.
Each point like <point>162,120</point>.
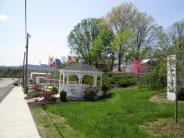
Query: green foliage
<point>8,72</point>
<point>88,80</point>
<point>92,40</point>
<point>73,78</point>
<point>32,94</point>
<point>90,93</point>
<point>63,96</point>
<point>153,80</point>
<point>54,89</point>
<point>122,79</point>
<point>106,86</point>
<point>82,37</point>
<point>102,50</point>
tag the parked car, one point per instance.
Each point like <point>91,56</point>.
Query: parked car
<point>16,83</point>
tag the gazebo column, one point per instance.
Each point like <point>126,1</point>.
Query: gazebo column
<point>63,80</point>
<point>79,84</point>
<point>80,79</point>
<point>67,79</point>
<point>59,81</point>
<point>95,80</point>
<point>101,82</point>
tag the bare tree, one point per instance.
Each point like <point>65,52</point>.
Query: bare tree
<point>143,28</point>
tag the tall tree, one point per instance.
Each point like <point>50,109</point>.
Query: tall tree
<point>102,49</point>
<point>120,18</point>
<point>176,35</point>
<point>82,37</point>
<point>143,28</point>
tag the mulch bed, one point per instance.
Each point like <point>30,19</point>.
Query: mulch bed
<point>165,127</point>
<point>159,98</point>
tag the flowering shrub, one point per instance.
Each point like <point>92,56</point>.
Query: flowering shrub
<point>49,97</point>
<point>137,67</point>
<point>90,93</point>
<point>37,88</point>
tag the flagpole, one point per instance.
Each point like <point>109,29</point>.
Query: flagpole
<point>54,76</point>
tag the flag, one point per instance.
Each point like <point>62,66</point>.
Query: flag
<point>52,63</point>
<point>72,59</point>
<point>58,63</point>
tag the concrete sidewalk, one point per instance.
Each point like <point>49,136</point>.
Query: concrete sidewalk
<point>16,120</point>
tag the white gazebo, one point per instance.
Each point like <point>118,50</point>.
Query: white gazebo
<point>80,70</point>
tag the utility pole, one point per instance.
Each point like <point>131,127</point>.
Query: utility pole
<point>23,70</point>
<point>25,18</point>
<point>26,69</point>
<point>27,36</point>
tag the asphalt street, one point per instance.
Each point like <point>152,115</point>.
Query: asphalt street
<point>6,85</point>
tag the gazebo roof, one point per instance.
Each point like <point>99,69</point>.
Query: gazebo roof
<point>80,67</point>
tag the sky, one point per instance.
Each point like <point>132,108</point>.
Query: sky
<point>50,22</point>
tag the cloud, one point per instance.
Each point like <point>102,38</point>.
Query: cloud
<point>4,18</point>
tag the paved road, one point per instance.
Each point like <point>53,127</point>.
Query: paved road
<point>5,87</point>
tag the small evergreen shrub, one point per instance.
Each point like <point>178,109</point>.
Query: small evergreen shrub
<point>106,86</point>
<point>54,89</point>
<point>90,93</point>
<point>63,96</point>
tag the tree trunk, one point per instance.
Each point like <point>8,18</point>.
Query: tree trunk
<point>119,59</point>
<point>112,63</point>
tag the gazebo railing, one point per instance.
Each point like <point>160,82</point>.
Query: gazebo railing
<point>74,90</point>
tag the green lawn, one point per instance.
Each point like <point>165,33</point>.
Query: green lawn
<point>118,116</point>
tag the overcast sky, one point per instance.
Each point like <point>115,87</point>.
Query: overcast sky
<point>50,22</point>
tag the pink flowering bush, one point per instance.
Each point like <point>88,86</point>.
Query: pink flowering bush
<point>138,68</point>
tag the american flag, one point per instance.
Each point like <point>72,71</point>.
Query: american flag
<point>52,62</point>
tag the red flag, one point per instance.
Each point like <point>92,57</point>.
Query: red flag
<point>53,64</point>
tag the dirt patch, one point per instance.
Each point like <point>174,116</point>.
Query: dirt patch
<point>165,127</point>
<point>160,98</point>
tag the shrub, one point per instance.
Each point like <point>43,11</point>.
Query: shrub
<point>153,80</point>
<point>49,98</point>
<point>105,87</point>
<point>54,89</point>
<point>90,93</point>
<point>63,96</point>
<point>37,88</point>
<point>127,82</point>
<point>123,79</point>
